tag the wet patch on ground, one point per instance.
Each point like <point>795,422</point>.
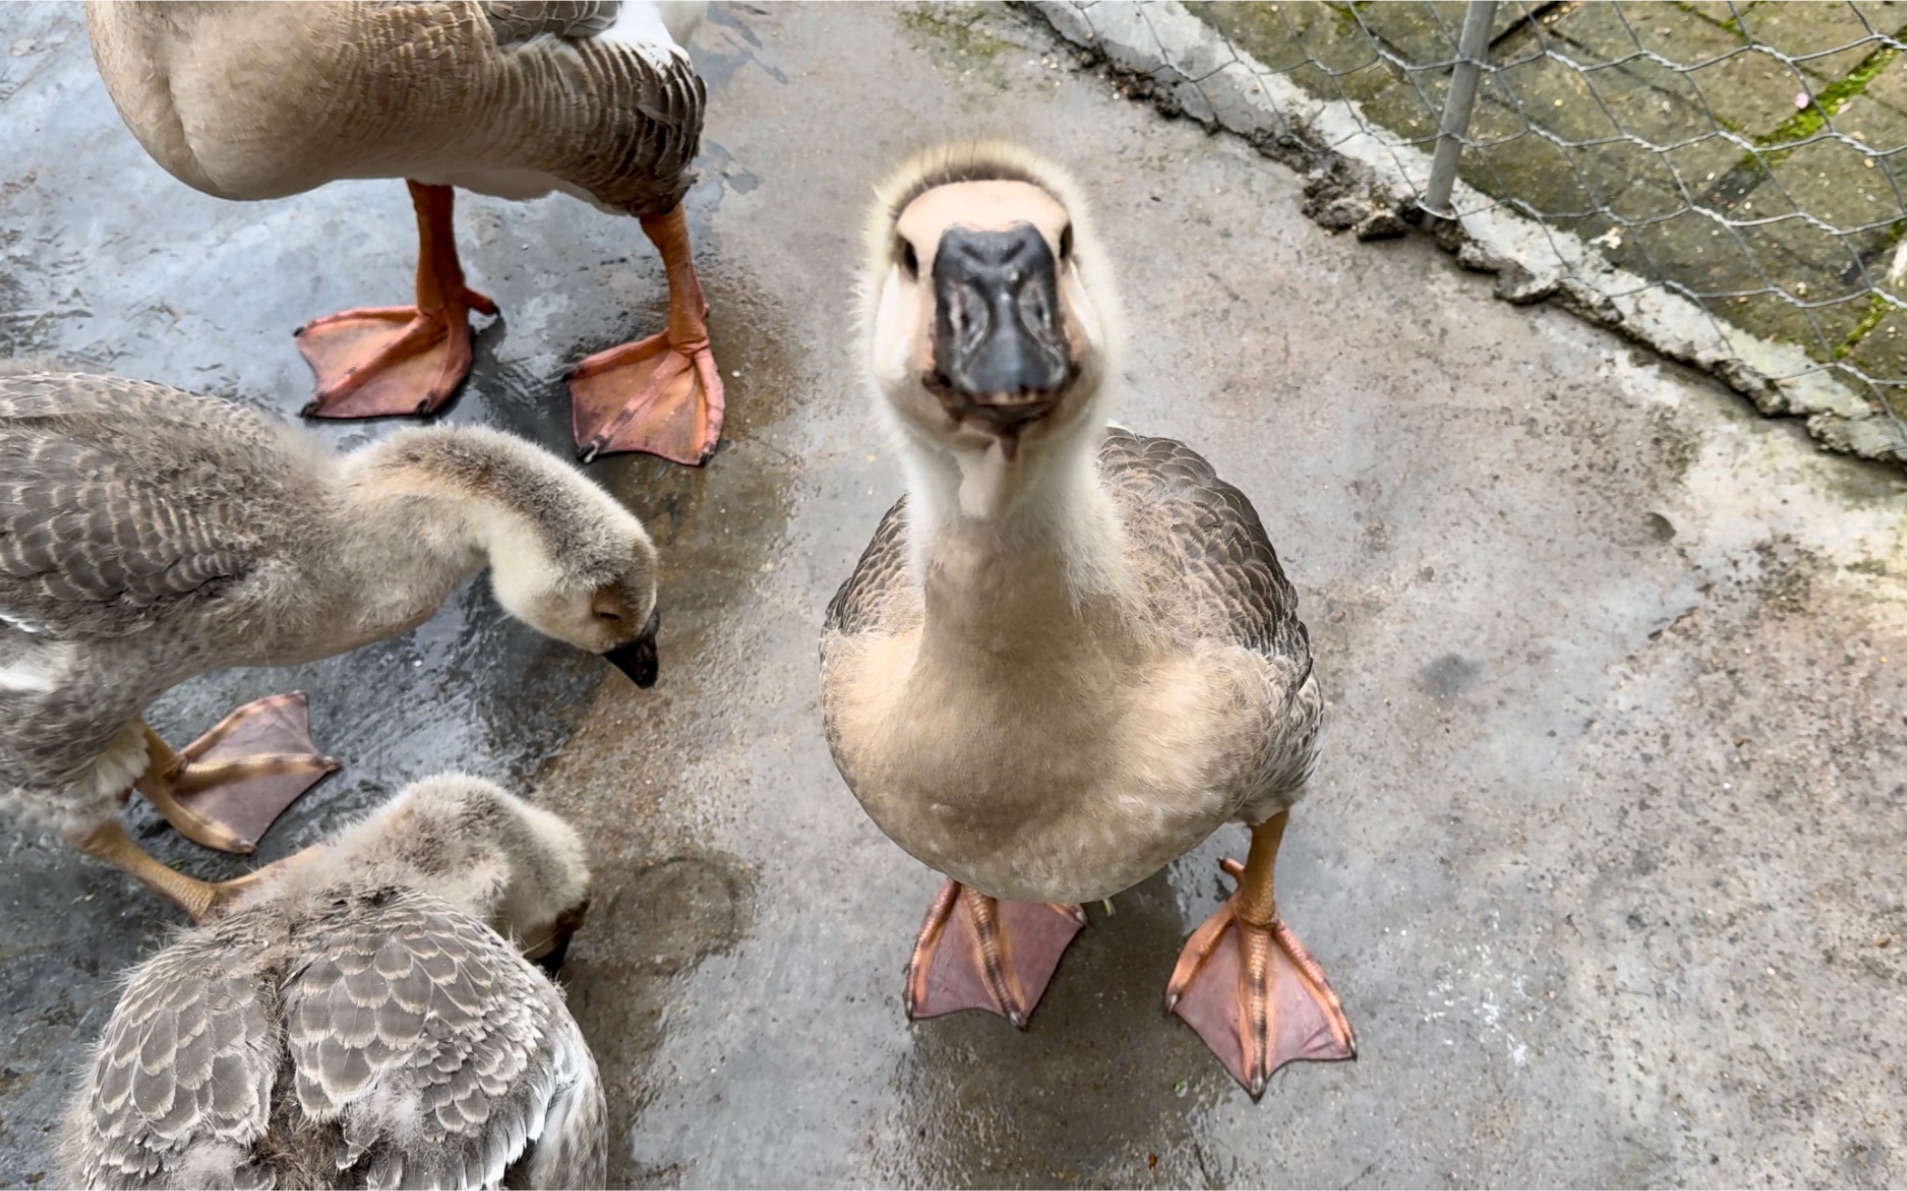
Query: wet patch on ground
<point>1103,1089</point>
<point>669,915</point>
<point>667,899</point>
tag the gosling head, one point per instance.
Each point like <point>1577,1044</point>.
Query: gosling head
<point>476,845</point>
<point>570,561</point>
<point>987,306</point>
<point>605,605</point>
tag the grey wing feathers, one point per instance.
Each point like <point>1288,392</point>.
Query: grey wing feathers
<point>513,22</point>
<point>856,606</point>
<point>1217,542</point>
<point>643,166</point>
<point>573,1149</point>
<point>623,120</point>
<point>84,546</point>
<point>182,1075</point>
<point>105,521</point>
<point>435,1048</point>
<point>1216,552</point>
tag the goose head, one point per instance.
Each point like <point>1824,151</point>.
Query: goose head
<point>469,841</point>
<point>989,316</point>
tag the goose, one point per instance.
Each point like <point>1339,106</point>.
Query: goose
<point>365,1018</point>
<point>149,534</point>
<point>504,97</point>
<point>1068,654</point>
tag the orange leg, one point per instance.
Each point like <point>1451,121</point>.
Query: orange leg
<point>663,394</point>
<point>978,953</point>
<point>385,360</point>
<point>1248,986</point>
<point>203,900</point>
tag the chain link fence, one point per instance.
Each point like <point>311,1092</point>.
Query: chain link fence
<point>1723,181</point>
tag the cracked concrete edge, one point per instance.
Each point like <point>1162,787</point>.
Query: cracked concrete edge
<point>1356,181</point>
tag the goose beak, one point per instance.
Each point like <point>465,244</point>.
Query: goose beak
<point>637,659</point>
<point>550,955</point>
<point>1000,350</point>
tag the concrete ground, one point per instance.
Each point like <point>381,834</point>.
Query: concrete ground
<point>1604,850</point>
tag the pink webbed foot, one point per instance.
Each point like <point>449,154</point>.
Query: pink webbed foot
<point>227,787</point>
<point>1255,995</point>
<point>662,395</point>
<point>398,360</point>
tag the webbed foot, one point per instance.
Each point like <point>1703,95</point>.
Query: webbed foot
<point>975,952</point>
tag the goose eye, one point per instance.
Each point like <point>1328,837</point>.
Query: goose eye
<point>1066,244</point>
<point>910,261</point>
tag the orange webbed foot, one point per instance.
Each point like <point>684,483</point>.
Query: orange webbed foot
<point>1256,997</point>
<point>663,394</point>
<point>975,952</point>
<point>380,361</point>
<point>226,788</point>
<point>652,395</point>
<point>390,360</point>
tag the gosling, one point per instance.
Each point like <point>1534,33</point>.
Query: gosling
<point>364,1017</point>
<point>148,535</point>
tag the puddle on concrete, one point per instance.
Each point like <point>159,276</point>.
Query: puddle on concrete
<point>1103,1088</point>
<point>668,916</point>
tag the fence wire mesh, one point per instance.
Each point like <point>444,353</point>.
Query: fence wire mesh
<point>1746,156</point>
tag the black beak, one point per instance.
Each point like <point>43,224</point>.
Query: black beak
<point>999,348</point>
<point>638,658</point>
<point>551,961</point>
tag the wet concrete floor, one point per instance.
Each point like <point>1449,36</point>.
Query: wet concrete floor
<point>1604,850</point>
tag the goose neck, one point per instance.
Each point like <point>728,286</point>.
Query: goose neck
<point>1049,578</point>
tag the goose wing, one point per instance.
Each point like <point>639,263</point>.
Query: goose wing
<point>117,508</point>
<point>443,1057</point>
<point>859,605</point>
<point>184,1070</point>
<point>611,103</point>
<point>515,22</point>
<point>1212,545</point>
<point>1211,572</point>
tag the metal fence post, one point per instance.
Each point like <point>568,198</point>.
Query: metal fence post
<point>1473,45</point>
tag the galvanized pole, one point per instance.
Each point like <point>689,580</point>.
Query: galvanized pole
<point>1473,46</point>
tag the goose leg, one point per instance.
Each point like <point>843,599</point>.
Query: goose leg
<point>978,953</point>
<point>225,788</point>
<point>203,900</point>
<point>662,394</point>
<point>1249,988</point>
<point>384,360</point>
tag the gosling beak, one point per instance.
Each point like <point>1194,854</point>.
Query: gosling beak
<point>549,956</point>
<point>1000,351</point>
<point>637,659</point>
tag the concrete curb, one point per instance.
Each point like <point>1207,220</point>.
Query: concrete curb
<point>1356,181</point>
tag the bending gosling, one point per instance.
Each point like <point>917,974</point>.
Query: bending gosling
<point>149,534</point>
